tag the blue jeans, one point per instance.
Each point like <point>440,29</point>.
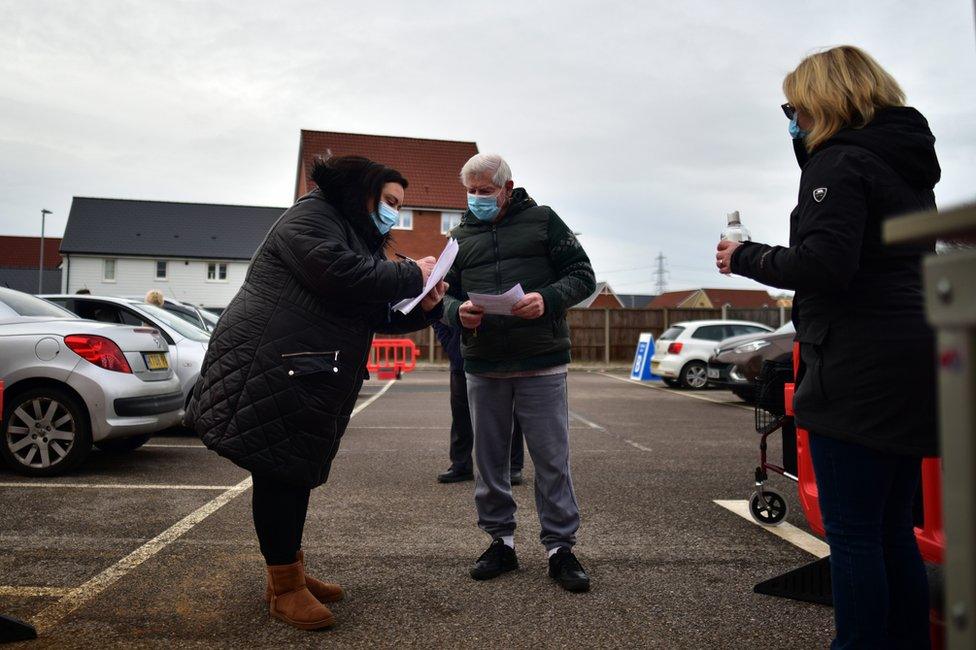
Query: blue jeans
<point>881,596</point>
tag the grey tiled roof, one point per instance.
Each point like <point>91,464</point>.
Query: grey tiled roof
<point>166,229</point>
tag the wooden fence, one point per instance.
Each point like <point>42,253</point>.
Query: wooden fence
<point>610,335</point>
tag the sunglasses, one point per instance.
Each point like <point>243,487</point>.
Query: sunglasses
<point>788,110</point>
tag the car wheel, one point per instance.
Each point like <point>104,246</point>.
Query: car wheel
<point>673,383</point>
<point>694,375</point>
<point>45,432</point>
<point>119,445</point>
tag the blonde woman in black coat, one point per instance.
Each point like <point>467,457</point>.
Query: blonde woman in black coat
<point>287,359</point>
<point>867,388</point>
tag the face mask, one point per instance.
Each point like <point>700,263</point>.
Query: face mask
<point>385,218</point>
<point>795,131</point>
<point>484,207</point>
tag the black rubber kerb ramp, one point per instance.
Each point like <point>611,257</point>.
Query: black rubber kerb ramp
<point>12,629</point>
<point>810,584</point>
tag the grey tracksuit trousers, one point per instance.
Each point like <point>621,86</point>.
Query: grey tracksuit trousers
<point>542,407</point>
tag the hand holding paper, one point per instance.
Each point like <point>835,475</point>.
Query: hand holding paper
<point>437,274</point>
<point>500,305</point>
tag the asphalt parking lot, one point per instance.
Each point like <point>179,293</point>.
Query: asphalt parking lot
<point>156,548</point>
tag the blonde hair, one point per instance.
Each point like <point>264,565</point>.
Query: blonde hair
<point>155,297</point>
<point>840,87</point>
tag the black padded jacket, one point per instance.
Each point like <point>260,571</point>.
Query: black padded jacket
<point>287,359</point>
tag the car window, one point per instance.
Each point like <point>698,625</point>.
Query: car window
<point>185,329</point>
<point>671,333</point>
<point>189,317</point>
<point>24,304</point>
<point>739,330</point>
<point>710,333</point>
<point>101,311</point>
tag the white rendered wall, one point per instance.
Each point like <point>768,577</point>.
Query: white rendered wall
<point>186,279</point>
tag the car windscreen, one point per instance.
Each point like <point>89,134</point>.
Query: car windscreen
<point>177,323</point>
<point>671,333</point>
<point>24,304</point>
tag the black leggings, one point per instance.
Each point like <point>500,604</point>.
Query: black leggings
<point>279,518</point>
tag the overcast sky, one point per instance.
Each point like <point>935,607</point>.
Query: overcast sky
<point>641,123</point>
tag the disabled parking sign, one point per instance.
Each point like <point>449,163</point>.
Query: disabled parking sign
<point>642,358</point>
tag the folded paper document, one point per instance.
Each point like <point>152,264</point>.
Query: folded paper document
<point>441,268</point>
<point>500,305</point>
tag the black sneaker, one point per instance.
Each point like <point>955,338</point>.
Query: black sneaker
<point>498,559</point>
<point>454,476</point>
<point>516,478</point>
<point>565,569</point>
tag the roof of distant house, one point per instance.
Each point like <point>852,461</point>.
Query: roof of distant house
<point>26,279</point>
<point>431,167</point>
<point>166,229</point>
<point>635,300</point>
<point>738,298</point>
<point>602,288</point>
<point>24,252</point>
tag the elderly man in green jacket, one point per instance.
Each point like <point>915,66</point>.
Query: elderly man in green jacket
<point>517,363</point>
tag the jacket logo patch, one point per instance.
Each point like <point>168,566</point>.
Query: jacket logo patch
<point>819,194</point>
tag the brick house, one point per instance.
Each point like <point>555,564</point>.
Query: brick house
<point>19,258</point>
<point>435,200</point>
<point>714,299</point>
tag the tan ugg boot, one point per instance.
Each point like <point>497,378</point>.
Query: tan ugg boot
<point>324,592</point>
<point>292,602</point>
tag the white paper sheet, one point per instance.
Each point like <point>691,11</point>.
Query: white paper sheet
<point>500,305</point>
<point>441,268</point>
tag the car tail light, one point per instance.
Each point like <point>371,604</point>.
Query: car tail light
<point>675,348</point>
<point>98,350</point>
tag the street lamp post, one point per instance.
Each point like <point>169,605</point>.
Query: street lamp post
<point>40,269</point>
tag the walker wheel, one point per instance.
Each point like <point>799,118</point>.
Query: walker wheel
<point>768,509</point>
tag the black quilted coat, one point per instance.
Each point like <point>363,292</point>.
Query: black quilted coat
<point>287,358</point>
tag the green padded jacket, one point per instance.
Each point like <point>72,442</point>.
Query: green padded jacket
<point>530,245</point>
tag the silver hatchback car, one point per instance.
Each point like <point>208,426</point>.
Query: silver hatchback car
<point>70,383</point>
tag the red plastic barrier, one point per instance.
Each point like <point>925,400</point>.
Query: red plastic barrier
<point>390,358</point>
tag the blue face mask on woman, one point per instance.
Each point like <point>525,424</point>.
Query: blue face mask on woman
<point>795,131</point>
<point>484,207</point>
<point>385,217</point>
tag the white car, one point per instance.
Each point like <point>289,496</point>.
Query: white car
<point>70,383</point>
<point>187,344</point>
<point>681,353</point>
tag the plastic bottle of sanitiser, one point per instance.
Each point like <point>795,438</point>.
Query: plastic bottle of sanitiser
<point>735,231</point>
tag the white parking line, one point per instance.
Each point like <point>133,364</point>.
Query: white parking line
<point>675,392</point>
<point>114,486</point>
<point>52,614</point>
<point>594,425</point>
<point>799,538</point>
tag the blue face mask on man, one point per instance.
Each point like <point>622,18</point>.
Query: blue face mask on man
<point>385,217</point>
<point>486,208</point>
<point>795,131</point>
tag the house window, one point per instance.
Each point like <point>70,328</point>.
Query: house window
<point>108,270</point>
<point>160,269</point>
<point>216,272</point>
<point>449,220</point>
<point>404,221</point>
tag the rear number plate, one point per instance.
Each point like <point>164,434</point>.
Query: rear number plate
<point>713,373</point>
<point>156,361</point>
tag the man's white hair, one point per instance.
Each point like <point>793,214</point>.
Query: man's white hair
<point>487,164</point>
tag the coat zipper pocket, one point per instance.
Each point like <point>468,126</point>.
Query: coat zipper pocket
<point>307,363</point>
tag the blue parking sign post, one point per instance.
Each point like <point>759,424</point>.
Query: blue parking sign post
<point>642,358</point>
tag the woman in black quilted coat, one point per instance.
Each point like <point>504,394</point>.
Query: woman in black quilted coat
<point>287,359</point>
